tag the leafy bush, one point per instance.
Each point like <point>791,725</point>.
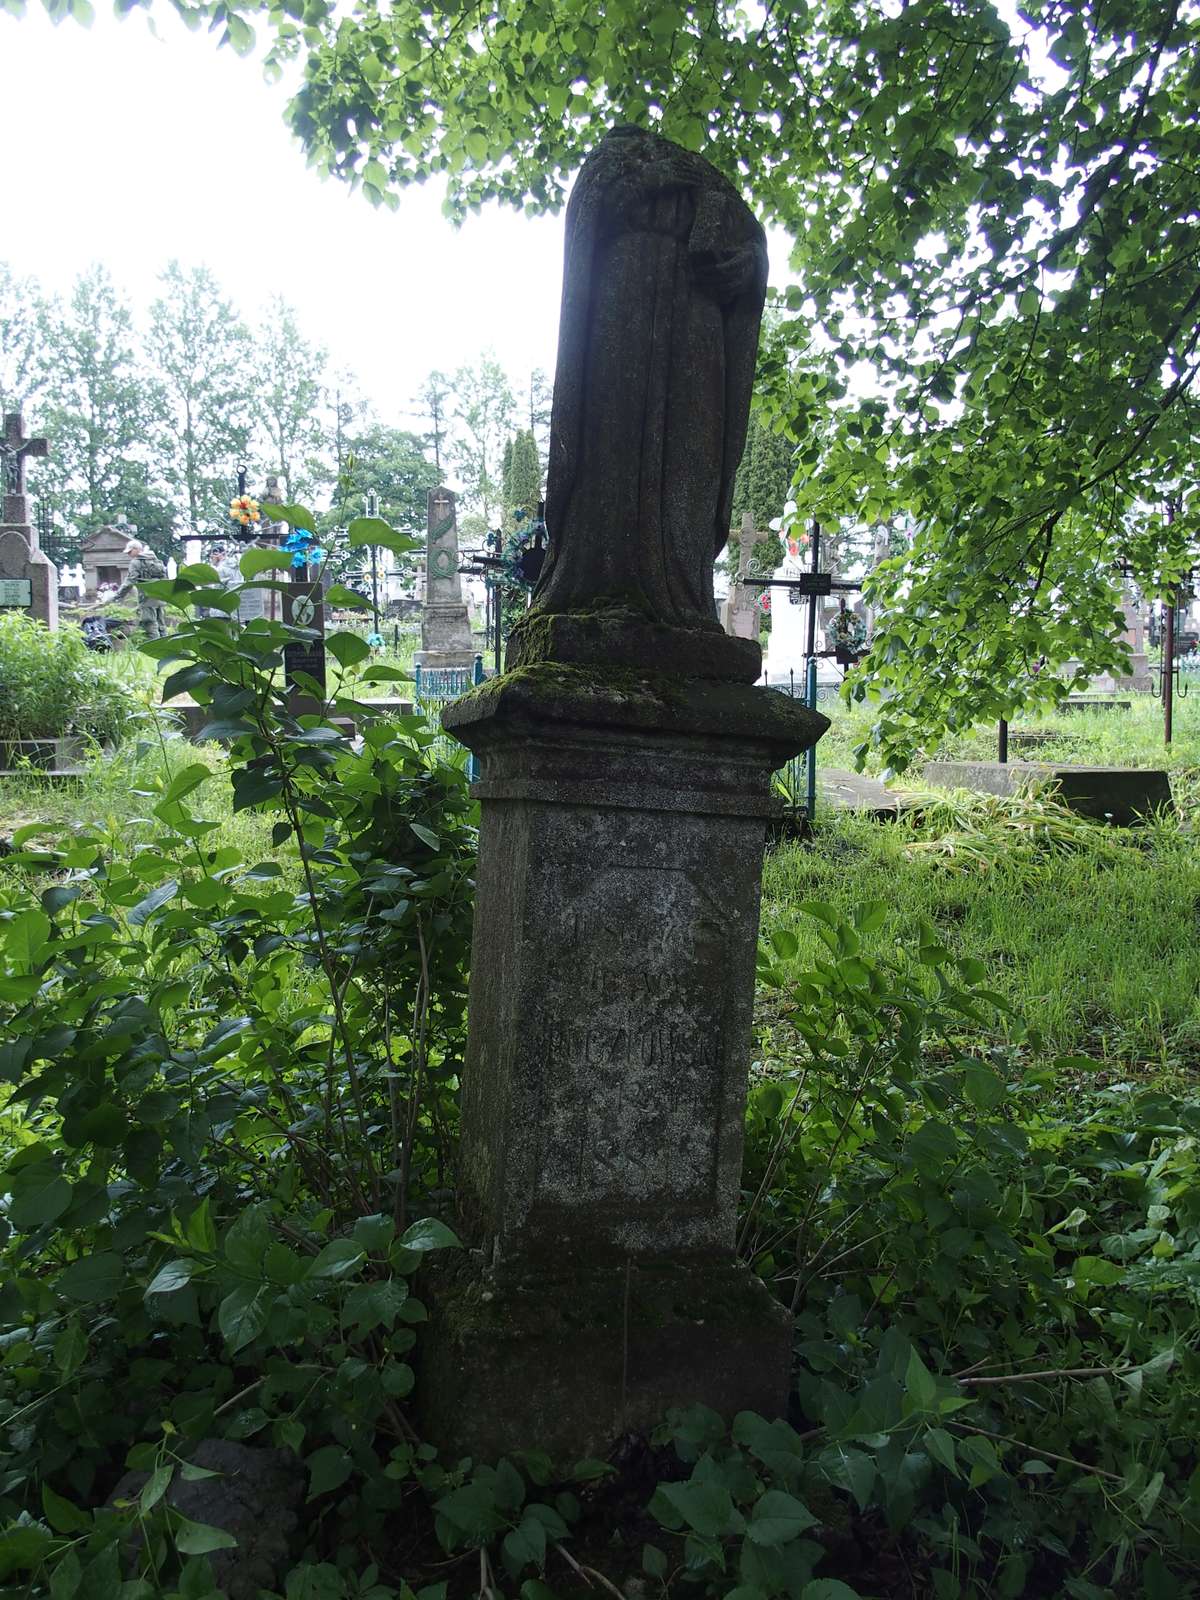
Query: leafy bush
<point>996,1274</point>
<point>231,1090</point>
<point>51,685</point>
<point>230,1128</point>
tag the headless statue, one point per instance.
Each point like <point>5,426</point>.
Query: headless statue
<point>664,281</point>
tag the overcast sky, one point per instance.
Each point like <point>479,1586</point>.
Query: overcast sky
<point>131,150</point>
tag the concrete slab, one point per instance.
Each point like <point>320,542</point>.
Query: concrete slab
<point>1081,703</point>
<point>854,791</point>
<point>1120,795</point>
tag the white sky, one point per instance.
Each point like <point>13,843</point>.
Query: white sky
<point>131,150</point>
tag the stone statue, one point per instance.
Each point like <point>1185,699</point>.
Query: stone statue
<point>663,289</point>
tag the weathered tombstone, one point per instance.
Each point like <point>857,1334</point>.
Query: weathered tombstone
<point>445,626</point>
<point>28,578</point>
<point>742,614</point>
<point>1139,678</point>
<point>1139,675</point>
<point>627,764</point>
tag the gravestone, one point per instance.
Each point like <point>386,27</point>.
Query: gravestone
<point>625,795</point>
<point>742,614</point>
<point>304,607</point>
<point>445,625</point>
<point>28,578</point>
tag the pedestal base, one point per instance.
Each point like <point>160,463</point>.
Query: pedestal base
<point>623,817</point>
<point>569,1361</point>
<point>446,636</point>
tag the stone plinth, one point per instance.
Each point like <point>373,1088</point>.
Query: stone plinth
<point>28,578</point>
<point>445,623</point>
<point>1119,795</point>
<point>623,822</point>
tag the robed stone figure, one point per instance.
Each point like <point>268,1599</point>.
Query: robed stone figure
<point>664,281</point>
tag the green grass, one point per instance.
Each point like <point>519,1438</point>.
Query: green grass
<point>116,792</point>
<point>1132,738</point>
<point>1098,947</point>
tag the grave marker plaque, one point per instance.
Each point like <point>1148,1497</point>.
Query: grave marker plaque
<point>304,607</point>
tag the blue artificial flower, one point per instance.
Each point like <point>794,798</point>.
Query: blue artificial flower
<point>374,640</point>
<point>299,559</point>
<point>316,555</point>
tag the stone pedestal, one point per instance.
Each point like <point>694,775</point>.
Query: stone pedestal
<point>28,578</point>
<point>623,820</point>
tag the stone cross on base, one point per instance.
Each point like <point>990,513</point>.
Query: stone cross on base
<point>14,452</point>
<point>742,616</point>
<point>28,579</point>
<point>445,624</point>
<point>624,800</point>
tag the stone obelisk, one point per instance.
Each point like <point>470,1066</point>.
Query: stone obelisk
<point>626,787</point>
<point>445,624</point>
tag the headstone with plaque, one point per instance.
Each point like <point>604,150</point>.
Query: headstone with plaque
<point>28,578</point>
<point>304,607</point>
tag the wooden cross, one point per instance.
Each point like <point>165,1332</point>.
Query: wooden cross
<point>15,449</point>
<point>441,504</point>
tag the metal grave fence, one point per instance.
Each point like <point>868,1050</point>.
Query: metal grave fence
<point>435,687</point>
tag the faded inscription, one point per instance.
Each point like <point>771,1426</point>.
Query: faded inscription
<point>630,1046</point>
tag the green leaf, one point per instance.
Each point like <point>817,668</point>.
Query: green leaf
<point>40,1195</point>
<point>25,937</point>
<point>940,1446</point>
<point>199,1538</point>
<point>154,901</point>
<point>785,943</point>
<point>62,1516</point>
<point>92,1278</point>
<point>777,1518</point>
<point>155,1486</point>
<point>242,1315</point>
<point>345,599</point>
<point>919,1384</point>
<point>426,836</point>
<point>338,1259</point>
<point>828,1589</point>
<point>374,1232</point>
<point>247,1240</point>
<point>328,1468</point>
<point>294,516</point>
<point>255,561</point>
<point>183,783</point>
<point>984,1088</point>
<point>375,531</point>
<point>1095,1269</point>
<point>870,916</point>
<point>170,1277</point>
<point>347,648</point>
<point>822,911</point>
<point>430,1234</point>
<point>705,1507</point>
